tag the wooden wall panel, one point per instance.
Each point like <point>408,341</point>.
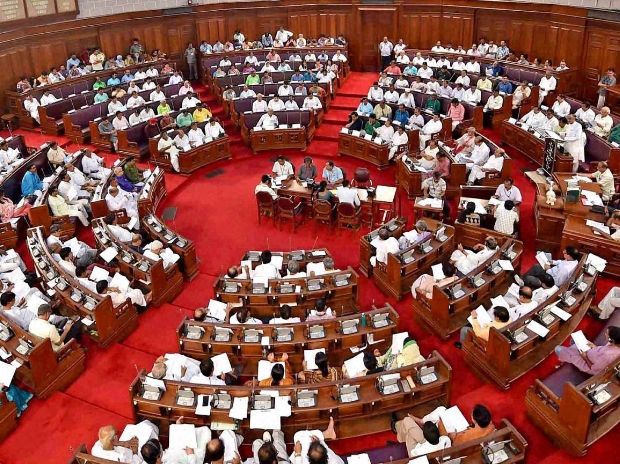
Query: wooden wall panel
<point>602,52</point>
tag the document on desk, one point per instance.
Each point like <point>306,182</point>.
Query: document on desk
<point>385,194</point>
<point>542,259</point>
<point>74,244</point>
<point>239,409</point>
<point>581,342</point>
<point>264,369</point>
<point>362,194</point>
<point>221,364</point>
<point>155,383</point>
<point>203,405</point>
<point>587,180</point>
<point>34,303</point>
<point>7,372</point>
<point>438,271</point>
<point>16,275</point>
<point>141,431</point>
<point>565,316</point>
<point>506,265</point>
<point>420,460</point>
<point>417,167</point>
<point>277,261</point>
<point>537,328</point>
<point>482,316</point>
<point>98,274</point>
<point>495,202</point>
<point>359,459</point>
<point>480,209</point>
<point>120,281</point>
<point>182,436</point>
<point>454,420</point>
<point>596,261</point>
<point>398,342</point>
<point>217,309</point>
<point>355,366</point>
<point>309,357</point>
<point>283,406</point>
<point>261,280</point>
<point>267,419</point>
<point>108,254</point>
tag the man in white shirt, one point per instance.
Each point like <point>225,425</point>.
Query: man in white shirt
<point>259,105</point>
<point>213,129</point>
<point>407,99</point>
<point>48,98</point>
<point>433,126</point>
<point>432,86</point>
<point>31,105</point>
<point>181,141</point>
<point>265,186</point>
<point>425,72</point>
<point>285,90</point>
<point>400,46</point>
<point>195,135</point>
<point>463,79</point>
<point>156,251</point>
<point>472,96</point>
<point>585,114</point>
<point>478,156</point>
<point>134,118</point>
<point>93,165</point>
<point>149,84</point>
<point>346,194</point>
<point>605,178</point>
<point>459,64</point>
<point>157,95</point>
<point>384,245</point>
<point>386,132</point>
<point>391,95</point>
<point>120,232</point>
<point>247,92</point>
<point>268,120</point>
<point>561,107</point>
<point>468,260</point>
<point>385,50</point>
<point>291,104</point>
<point>311,443</point>
<point>146,114</point>
<point>120,122</point>
<point>494,103</point>
<point>399,139</point>
<point>108,447</point>
<point>190,101</point>
<point>284,316</point>
<point>312,103</point>
<point>282,168</point>
<point>175,367</point>
<point>166,145</point>
<point>205,376</point>
<point>473,66</point>
<point>275,104</point>
<point>135,100</point>
<point>375,93</point>
<point>445,90</point>
<point>266,269</point>
<point>115,105</point>
<point>573,141</point>
<point>339,57</point>
<point>603,122</point>
<point>560,269</point>
<point>546,85</point>
<point>551,122</point>
<point>508,191</point>
<point>493,164</point>
<point>534,119</point>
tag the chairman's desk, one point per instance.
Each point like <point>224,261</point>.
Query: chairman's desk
<point>505,357</point>
<point>581,236</point>
<point>368,415</point>
<point>366,150</point>
<point>395,226</point>
<point>103,322</point>
<point>396,276</point>
<point>343,299</point>
<point>443,314</point>
<point>336,343</point>
<point>301,257</point>
<point>532,146</point>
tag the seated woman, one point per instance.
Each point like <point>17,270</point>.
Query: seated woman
<point>124,183</point>
<point>17,396</point>
<point>372,367</point>
<point>428,158</point>
<point>408,356</point>
<point>323,193</point>
<point>284,316</point>
<point>597,358</point>
<point>281,375</point>
<point>424,284</point>
<point>468,215</point>
<point>8,210</point>
<point>323,373</point>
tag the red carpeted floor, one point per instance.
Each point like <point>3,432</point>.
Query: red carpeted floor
<point>218,212</point>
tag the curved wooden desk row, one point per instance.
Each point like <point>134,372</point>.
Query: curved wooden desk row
<point>152,193</point>
<point>343,299</point>
<point>515,349</point>
<point>11,181</point>
<point>581,236</point>
<point>41,214</point>
<point>335,341</point>
<point>76,118</point>
<point>444,315</point>
<point>74,85</point>
<point>166,284</point>
<point>298,134</point>
<point>395,278</point>
<point>109,324</point>
<point>240,106</point>
<point>302,257</point>
<point>368,415</point>
<point>42,369</point>
<point>195,158</point>
<point>396,226</point>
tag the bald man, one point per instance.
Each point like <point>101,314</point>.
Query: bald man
<point>108,446</point>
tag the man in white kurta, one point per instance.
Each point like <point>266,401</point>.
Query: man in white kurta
<point>468,260</point>
<point>116,202</point>
<point>431,127</point>
<point>399,139</point>
<point>546,85</point>
<point>31,105</point>
<point>573,142</point>
<point>603,123</point>
<point>494,163</point>
<point>384,245</point>
<point>534,119</point>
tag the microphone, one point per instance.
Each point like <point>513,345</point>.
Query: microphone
<point>268,243</point>
<point>314,244</point>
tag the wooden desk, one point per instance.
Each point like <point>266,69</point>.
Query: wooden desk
<point>336,344</point>
<point>396,276</point>
<point>366,150</point>
<point>427,211</point>
<point>43,370</point>
<point>573,421</point>
<point>369,415</point>
<point>110,324</point>
<point>152,193</point>
<point>8,417</point>
<point>311,256</point>
<point>194,159</point>
<point>577,234</point>
<point>278,139</point>
<point>342,299</point>
<point>533,147</point>
<point>503,360</point>
<point>396,227</point>
<point>443,315</point>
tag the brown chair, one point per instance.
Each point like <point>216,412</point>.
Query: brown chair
<point>348,215</point>
<point>361,178</point>
<point>289,210</point>
<point>266,206</point>
<point>323,212</point>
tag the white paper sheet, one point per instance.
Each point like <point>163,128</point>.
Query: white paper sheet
<point>74,244</point>
<point>277,261</point>
<point>482,316</point>
<point>398,342</point>
<point>108,254</point>
<point>411,236</point>
<point>120,281</point>
<point>264,369</point>
<point>217,309</point>
<point>506,265</point>
<point>98,274</point>
<point>203,410</point>
<point>438,271</point>
<point>182,436</point>
<point>514,290</point>
<point>538,329</point>
<point>221,364</point>
<point>283,406</point>
<point>4,354</point>
<point>309,356</point>
<point>16,275</point>
<point>155,383</point>
<point>355,366</point>
<point>268,419</point>
<point>581,342</point>
<point>239,408</point>
<point>542,258</point>
<point>454,420</point>
<point>499,301</point>
<point>7,371</point>
<point>358,459</point>
<point>596,261</point>
<point>141,431</point>
<point>565,316</point>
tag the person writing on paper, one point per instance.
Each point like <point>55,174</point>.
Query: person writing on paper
<point>501,318</point>
<point>468,260</point>
<point>284,316</point>
<point>174,366</point>
<point>508,191</point>
<point>243,316</point>
<point>596,358</point>
<point>282,168</point>
<point>310,447</point>
<point>320,312</point>
<point>423,285</point>
<point>323,373</point>
<point>371,366</point>
<point>119,297</point>
<point>421,437</point>
<point>385,245</point>
<point>266,269</point>
<point>108,447</point>
<point>419,233</point>
<point>409,355</point>
<point>205,376</point>
<point>156,251</point>
<point>605,178</point>
<point>42,328</point>
<point>559,269</point>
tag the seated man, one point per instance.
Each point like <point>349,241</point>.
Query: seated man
<point>609,303</point>
<point>508,191</point>
<point>506,218</point>
<point>284,316</point>
<point>424,284</point>
<point>525,304</point>
<point>421,437</point>
<point>417,235</point>
<point>431,128</point>
<point>324,267</point>
<point>59,207</point>
<point>152,452</point>
<point>310,447</point>
<point>371,366</point>
<point>85,255</point>
<point>174,366</point>
<point>108,447</point>
<point>400,141</point>
<point>468,260</point>
<point>119,296</point>
<point>282,168</point>
<point>501,319</point>
<point>205,376</point>
<point>332,174</point>
<point>435,187</point>
<point>265,186</point>
<point>292,270</point>
<point>386,244</point>
<point>116,201</point>
<point>43,328</point>
<point>408,356</point>
<point>560,269</point>
<point>266,269</point>
<point>243,316</point>
<point>478,156</point>
<point>268,120</point>
<point>156,251</point>
<point>320,312</point>
<point>307,170</point>
<point>119,231</point>
<point>597,358</point>
<point>346,194</point>
<point>605,178</point>
<point>493,165</point>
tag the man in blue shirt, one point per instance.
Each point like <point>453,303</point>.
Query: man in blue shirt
<point>496,69</point>
<point>364,107</point>
<point>31,181</point>
<point>297,77</point>
<point>267,40</point>
<point>114,80</point>
<point>127,77</point>
<point>332,174</point>
<point>205,48</point>
<point>73,61</point>
<point>505,86</point>
<point>401,115</point>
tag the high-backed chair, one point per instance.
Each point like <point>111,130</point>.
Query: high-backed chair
<point>348,215</point>
<point>361,178</point>
<point>323,211</point>
<point>289,210</point>
<point>266,206</point>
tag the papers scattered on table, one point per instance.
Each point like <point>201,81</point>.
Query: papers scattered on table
<point>538,329</point>
<point>266,419</point>
<point>506,265</point>
<point>16,275</point>
<point>217,310</point>
<point>203,405</point>
<point>355,366</point>
<point>182,436</point>
<point>261,280</point>
<point>264,369</point>
<point>542,259</point>
<point>398,342</point>
<point>581,342</point>
<point>239,409</point>
<point>432,202</point>
<point>596,261</point>
<point>453,420</point>
<point>482,317</point>
<point>495,202</point>
<point>7,371</point>
<point>108,254</point>
<point>141,431</point>
<point>87,322</point>
<point>221,364</point>
<point>309,356</point>
<point>358,459</point>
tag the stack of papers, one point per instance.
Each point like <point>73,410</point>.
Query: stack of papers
<point>7,372</point>
<point>506,265</point>
<point>120,281</point>
<point>267,419</point>
<point>542,258</point>
<point>499,301</point>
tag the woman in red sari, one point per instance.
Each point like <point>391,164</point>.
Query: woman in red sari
<point>8,210</point>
